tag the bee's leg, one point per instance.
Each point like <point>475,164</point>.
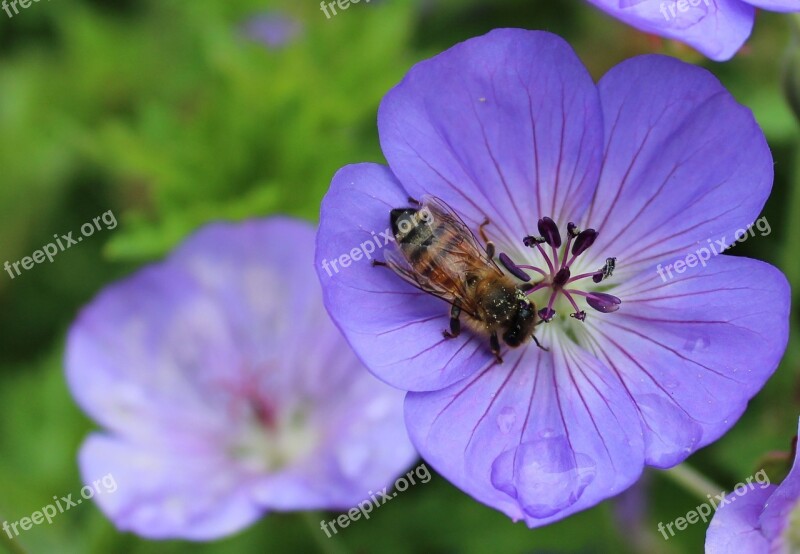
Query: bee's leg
<point>455,323</point>
<point>376,263</point>
<point>494,342</point>
<point>414,201</point>
<point>482,233</point>
<point>539,344</point>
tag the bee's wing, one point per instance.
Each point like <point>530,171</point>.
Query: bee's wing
<point>469,249</point>
<point>395,260</point>
<point>458,260</point>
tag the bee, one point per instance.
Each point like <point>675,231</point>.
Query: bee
<point>437,253</point>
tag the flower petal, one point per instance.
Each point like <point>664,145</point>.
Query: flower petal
<point>205,357</point>
<point>506,125</point>
<point>671,344</point>
<point>776,5</point>
<point>158,495</point>
<point>542,437</point>
<point>393,327</point>
<point>735,527</point>
<point>777,513</point>
<point>717,29</point>
<point>684,164</point>
<point>213,314</point>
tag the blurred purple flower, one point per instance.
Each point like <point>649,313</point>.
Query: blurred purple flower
<point>717,28</point>
<point>657,157</point>
<point>763,520</point>
<point>274,30</point>
<point>226,392</point>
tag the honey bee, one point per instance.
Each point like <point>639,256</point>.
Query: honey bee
<point>437,253</point>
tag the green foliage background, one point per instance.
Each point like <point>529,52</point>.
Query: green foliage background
<point>163,112</point>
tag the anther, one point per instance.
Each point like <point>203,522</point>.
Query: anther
<point>606,271</point>
<point>572,230</point>
<point>546,314</point>
<point>603,302</point>
<point>583,241</point>
<point>580,316</point>
<point>530,241</point>
<point>512,268</point>
<point>549,231</point>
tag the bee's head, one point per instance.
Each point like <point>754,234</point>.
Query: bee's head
<point>521,324</point>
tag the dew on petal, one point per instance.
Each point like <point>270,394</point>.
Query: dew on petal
<point>506,419</point>
<point>545,476</point>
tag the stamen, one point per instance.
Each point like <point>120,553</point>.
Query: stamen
<point>603,302</point>
<point>532,268</point>
<point>546,314</point>
<point>593,274</point>
<point>549,231</point>
<point>534,288</point>
<point>546,258</point>
<point>572,230</point>
<point>513,268</point>
<point>600,301</point>
<point>583,241</point>
<point>579,314</point>
<point>559,275</point>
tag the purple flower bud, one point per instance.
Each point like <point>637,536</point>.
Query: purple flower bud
<point>603,302</point>
<point>584,240</point>
<point>549,230</point>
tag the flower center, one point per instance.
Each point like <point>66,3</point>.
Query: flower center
<point>556,270</point>
<point>269,441</point>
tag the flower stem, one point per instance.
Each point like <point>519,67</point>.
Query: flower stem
<point>693,481</point>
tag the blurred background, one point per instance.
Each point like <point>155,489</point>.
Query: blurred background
<point>172,114</point>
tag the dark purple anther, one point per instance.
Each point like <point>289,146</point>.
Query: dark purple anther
<point>572,229</point>
<point>531,241</point>
<point>561,277</point>
<point>583,241</point>
<point>549,230</point>
<point>603,302</point>
<point>580,316</point>
<point>512,268</point>
<point>546,314</point>
<point>597,277</point>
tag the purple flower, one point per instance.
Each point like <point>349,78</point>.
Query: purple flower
<point>274,30</point>
<point>226,392</point>
<point>656,160</point>
<point>717,28</point>
<point>758,519</point>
